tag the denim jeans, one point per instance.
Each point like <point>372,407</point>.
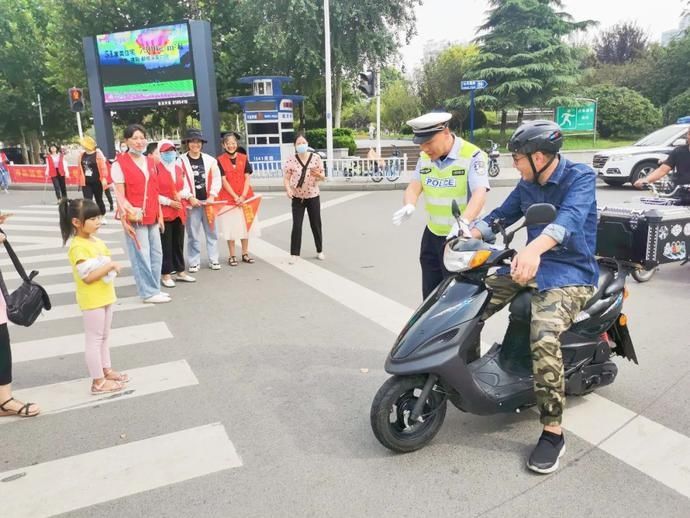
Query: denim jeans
<point>147,260</point>
<point>196,218</point>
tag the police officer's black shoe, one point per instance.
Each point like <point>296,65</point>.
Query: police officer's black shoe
<point>549,449</point>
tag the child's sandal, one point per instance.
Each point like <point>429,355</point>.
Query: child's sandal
<point>106,386</point>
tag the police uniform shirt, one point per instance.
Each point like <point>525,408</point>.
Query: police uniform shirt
<point>477,175</point>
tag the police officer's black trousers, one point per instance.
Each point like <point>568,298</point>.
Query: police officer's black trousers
<point>431,259</point>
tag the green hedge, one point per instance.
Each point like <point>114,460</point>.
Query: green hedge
<point>677,107</point>
<point>623,112</point>
<point>342,137</point>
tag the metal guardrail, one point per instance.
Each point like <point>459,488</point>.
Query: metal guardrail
<point>347,168</point>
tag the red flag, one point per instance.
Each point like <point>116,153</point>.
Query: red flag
<point>251,208</point>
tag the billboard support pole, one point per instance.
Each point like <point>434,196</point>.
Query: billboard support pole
<point>205,79</point>
<point>102,120</point>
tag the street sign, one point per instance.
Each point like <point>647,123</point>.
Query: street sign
<point>475,84</point>
<point>577,118</point>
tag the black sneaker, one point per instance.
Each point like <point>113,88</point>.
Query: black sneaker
<point>549,449</point>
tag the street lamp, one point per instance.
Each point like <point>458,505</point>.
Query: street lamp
<point>40,116</point>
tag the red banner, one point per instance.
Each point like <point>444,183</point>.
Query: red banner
<point>37,174</point>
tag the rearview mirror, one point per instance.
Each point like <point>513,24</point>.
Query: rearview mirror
<point>680,142</point>
<point>455,209</point>
<point>540,214</point>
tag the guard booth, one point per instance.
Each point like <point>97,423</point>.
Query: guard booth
<point>269,122</point>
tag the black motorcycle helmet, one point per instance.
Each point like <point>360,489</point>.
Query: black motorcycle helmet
<point>538,135</point>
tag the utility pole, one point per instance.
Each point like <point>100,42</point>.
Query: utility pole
<point>329,87</point>
<point>378,112</point>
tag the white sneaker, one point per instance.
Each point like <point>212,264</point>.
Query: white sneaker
<point>320,256</point>
<point>293,259</point>
<point>165,294</point>
<point>158,299</point>
<point>193,269</point>
<point>104,221</point>
<point>168,283</point>
<point>185,278</point>
<point>214,266</point>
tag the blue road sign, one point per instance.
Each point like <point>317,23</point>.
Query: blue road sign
<point>476,84</point>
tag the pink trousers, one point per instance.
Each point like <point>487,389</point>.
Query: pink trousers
<point>97,324</point>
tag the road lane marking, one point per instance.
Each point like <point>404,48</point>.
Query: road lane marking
<point>72,310</point>
<point>75,394</point>
<point>71,344</point>
<point>84,480</point>
<point>36,260</point>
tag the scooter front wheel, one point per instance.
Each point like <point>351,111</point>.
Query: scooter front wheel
<point>391,409</point>
<point>494,169</point>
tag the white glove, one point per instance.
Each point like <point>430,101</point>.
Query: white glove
<point>461,229</point>
<point>403,214</point>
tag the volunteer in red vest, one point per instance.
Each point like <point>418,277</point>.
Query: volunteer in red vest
<point>170,186</point>
<point>136,188</point>
<point>202,186</point>
<point>57,171</point>
<point>4,172</point>
<point>235,170</point>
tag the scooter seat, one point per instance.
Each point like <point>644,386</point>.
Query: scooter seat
<point>521,306</point>
<point>606,277</point>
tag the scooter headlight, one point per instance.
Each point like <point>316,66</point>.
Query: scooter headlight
<point>455,261</point>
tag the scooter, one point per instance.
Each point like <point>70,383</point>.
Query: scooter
<point>434,359</point>
<point>493,154</point>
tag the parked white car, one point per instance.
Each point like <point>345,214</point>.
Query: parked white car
<point>621,165</point>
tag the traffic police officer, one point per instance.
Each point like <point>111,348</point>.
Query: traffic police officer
<point>448,169</point>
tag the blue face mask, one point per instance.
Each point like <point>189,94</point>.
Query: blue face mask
<point>168,156</point>
<point>301,148</point>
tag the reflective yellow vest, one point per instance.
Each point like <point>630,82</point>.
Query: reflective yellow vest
<point>442,186</point>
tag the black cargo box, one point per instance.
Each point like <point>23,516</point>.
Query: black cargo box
<point>647,236</point>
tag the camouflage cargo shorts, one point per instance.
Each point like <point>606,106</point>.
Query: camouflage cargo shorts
<point>553,312</point>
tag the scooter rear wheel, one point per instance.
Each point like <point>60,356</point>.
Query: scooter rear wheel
<point>643,275</point>
<point>392,407</point>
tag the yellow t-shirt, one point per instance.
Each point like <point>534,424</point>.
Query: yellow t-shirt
<point>97,294</point>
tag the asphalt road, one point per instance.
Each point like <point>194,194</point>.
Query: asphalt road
<point>276,366</point>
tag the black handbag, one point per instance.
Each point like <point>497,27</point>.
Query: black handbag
<point>26,302</point>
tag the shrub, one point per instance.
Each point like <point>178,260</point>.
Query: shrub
<point>623,112</point>
<point>677,107</point>
<point>342,137</point>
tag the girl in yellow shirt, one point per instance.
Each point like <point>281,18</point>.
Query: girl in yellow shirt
<point>94,273</point>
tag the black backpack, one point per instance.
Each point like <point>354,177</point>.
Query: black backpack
<point>26,303</point>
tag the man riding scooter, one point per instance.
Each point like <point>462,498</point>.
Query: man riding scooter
<point>558,263</point>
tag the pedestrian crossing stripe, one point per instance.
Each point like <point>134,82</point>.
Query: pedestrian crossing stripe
<point>76,394</point>
<point>73,311</point>
<point>50,258</point>
<point>84,480</point>
<point>58,346</point>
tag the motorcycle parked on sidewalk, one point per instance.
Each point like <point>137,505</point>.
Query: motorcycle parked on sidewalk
<point>434,358</point>
<point>493,154</point>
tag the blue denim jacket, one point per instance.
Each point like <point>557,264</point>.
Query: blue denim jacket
<point>572,190</point>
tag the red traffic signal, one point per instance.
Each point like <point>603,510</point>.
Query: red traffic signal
<point>76,99</point>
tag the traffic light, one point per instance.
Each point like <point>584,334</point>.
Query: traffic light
<point>367,83</point>
<point>76,99</point>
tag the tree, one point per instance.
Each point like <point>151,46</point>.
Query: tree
<point>439,77</point>
<point>622,43</point>
<point>398,105</point>
<point>677,107</point>
<point>523,55</point>
<point>622,112</point>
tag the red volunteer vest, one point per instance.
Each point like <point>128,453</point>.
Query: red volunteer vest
<point>52,170</point>
<point>234,175</point>
<point>136,187</point>
<point>167,188</point>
